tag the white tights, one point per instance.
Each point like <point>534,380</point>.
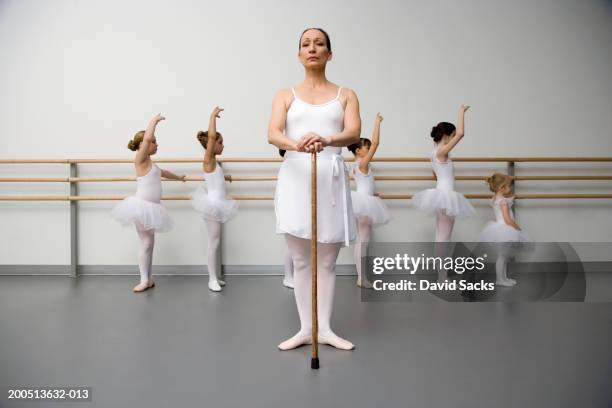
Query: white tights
<point>444,226</point>
<point>326,280</point>
<point>501,272</point>
<point>361,247</point>
<point>145,254</point>
<point>214,238</point>
<point>288,279</point>
<point>444,229</point>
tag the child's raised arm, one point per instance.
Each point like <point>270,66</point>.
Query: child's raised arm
<point>363,165</point>
<point>209,153</point>
<point>143,152</point>
<point>444,150</point>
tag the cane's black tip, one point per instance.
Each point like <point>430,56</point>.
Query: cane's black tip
<point>314,363</point>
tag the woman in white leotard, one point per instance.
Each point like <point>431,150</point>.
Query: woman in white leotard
<point>215,207</point>
<point>316,115</point>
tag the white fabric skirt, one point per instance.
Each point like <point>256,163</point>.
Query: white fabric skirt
<point>370,207</point>
<point>454,204</point>
<point>214,209</point>
<point>144,214</point>
<point>335,219</point>
<point>500,238</point>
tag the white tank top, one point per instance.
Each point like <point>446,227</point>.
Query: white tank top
<point>364,182</point>
<point>215,183</point>
<point>445,172</point>
<point>497,202</point>
<point>325,120</point>
<point>148,187</point>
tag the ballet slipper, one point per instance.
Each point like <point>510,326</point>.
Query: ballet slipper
<point>364,284</point>
<point>332,339</point>
<point>513,281</point>
<point>505,282</point>
<point>300,339</point>
<point>221,282</point>
<point>141,287</point>
<point>214,286</point>
<point>288,283</point>
<point>151,284</point>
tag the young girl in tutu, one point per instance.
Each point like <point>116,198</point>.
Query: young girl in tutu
<point>504,236</point>
<point>216,208</point>
<point>369,209</point>
<point>444,202</point>
<point>144,209</point>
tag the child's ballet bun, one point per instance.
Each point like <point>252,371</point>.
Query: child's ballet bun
<point>134,144</point>
<point>441,129</point>
<point>497,180</point>
<point>362,142</point>
<point>202,137</point>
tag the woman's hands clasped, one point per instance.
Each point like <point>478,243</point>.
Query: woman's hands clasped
<point>312,142</point>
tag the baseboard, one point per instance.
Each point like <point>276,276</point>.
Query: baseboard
<point>178,270</point>
<point>22,270</point>
<point>257,270</point>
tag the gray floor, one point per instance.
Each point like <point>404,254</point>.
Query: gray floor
<point>180,345</point>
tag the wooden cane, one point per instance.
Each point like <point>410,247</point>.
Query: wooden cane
<point>314,361</point>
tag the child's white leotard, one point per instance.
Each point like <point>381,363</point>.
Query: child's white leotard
<point>365,204</point>
<point>443,197</point>
<point>144,208</point>
<point>499,232</point>
<point>214,204</point>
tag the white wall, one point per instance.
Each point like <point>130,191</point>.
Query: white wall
<point>78,78</point>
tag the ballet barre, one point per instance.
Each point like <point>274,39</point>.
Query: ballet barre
<point>347,159</point>
<point>269,197</point>
<point>73,180</point>
<point>230,178</point>
<point>510,160</point>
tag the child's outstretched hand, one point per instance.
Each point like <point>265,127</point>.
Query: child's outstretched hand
<point>464,108</point>
<point>216,112</point>
<point>379,118</point>
<point>183,177</point>
<point>156,119</point>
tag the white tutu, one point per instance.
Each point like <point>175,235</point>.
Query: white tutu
<point>214,209</point>
<point>500,232</point>
<point>144,214</point>
<point>454,204</point>
<point>501,238</point>
<point>372,207</point>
